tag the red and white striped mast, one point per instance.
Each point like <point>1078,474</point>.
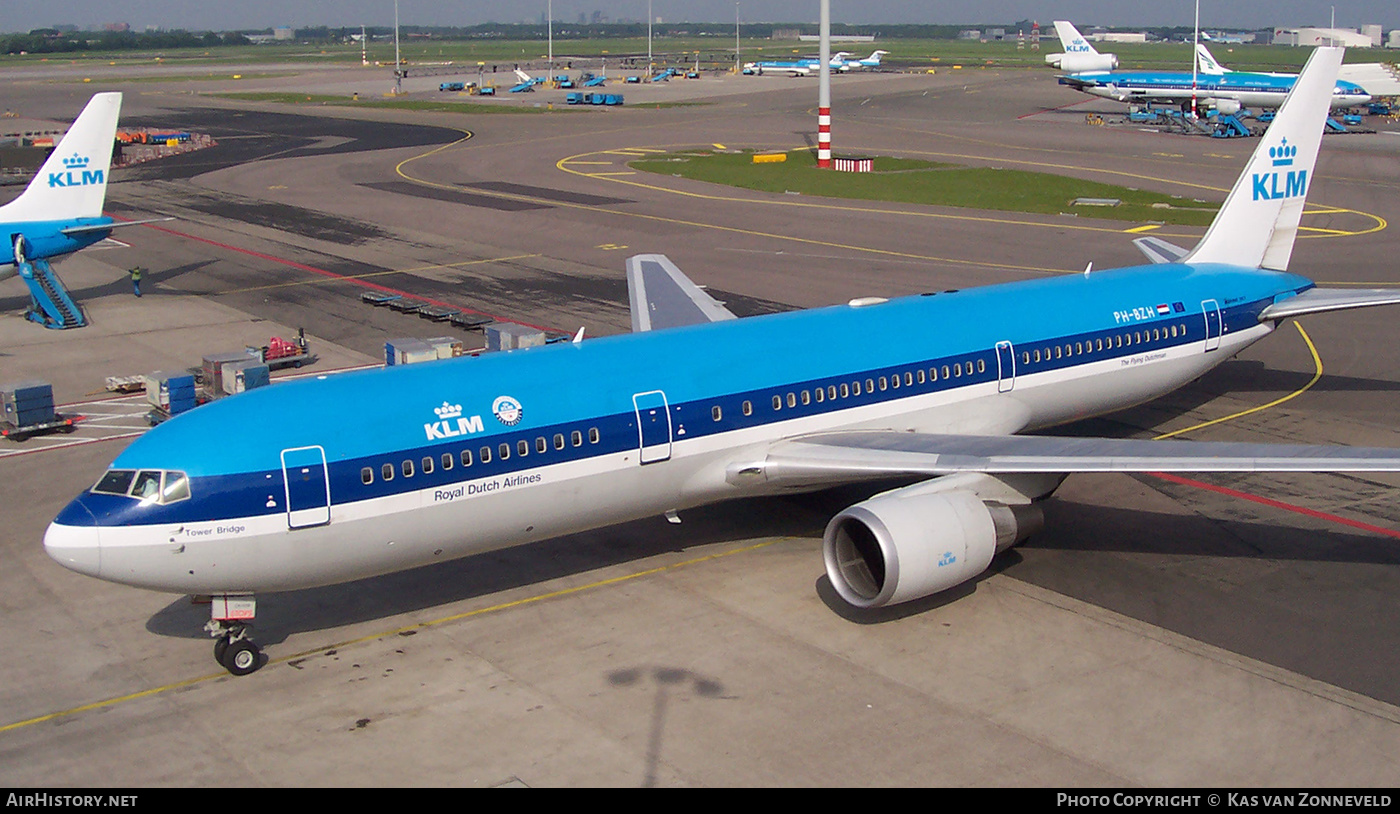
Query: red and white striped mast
<point>824,91</point>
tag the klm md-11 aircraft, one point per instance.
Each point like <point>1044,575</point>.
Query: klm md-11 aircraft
<point>1079,55</point>
<point>407,466</point>
<point>1212,87</point>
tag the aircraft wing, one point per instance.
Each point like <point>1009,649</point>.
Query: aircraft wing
<point>845,456</point>
<point>1076,81</point>
<point>1160,251</point>
<point>663,297</point>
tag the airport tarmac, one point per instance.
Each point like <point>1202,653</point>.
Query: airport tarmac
<point>1218,631</point>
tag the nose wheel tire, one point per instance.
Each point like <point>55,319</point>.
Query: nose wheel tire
<point>239,658</point>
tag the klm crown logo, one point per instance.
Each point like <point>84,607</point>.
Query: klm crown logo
<point>1272,186</point>
<point>76,174</point>
<point>1282,155</point>
<point>448,410</point>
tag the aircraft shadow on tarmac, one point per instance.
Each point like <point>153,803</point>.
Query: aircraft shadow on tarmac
<point>122,285</point>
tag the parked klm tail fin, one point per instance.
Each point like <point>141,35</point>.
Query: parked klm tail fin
<point>73,181</point>
<point>1070,38</point>
<point>1259,221</point>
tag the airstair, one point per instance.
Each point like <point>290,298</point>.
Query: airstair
<point>50,304</point>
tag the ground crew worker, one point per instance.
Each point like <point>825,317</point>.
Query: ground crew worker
<point>136,272</point>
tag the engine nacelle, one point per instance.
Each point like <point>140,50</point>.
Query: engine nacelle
<point>1225,107</point>
<point>1082,63</point>
<point>895,548</point>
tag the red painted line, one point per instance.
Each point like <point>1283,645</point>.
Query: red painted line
<point>1278,504</point>
<point>341,277</point>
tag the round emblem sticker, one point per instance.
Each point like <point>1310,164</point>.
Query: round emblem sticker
<point>508,411</point>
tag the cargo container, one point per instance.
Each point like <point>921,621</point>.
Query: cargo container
<point>512,336</point>
<point>216,368</point>
<point>172,393</point>
<point>27,408</point>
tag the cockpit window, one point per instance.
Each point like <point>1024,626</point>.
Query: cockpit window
<point>115,482</point>
<point>149,485</point>
<point>177,487</point>
<point>146,485</point>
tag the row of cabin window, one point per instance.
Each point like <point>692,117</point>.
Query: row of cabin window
<point>1098,345</point>
<point>848,389</point>
<point>522,448</point>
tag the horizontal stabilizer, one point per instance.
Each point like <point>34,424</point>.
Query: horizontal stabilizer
<point>842,457</point>
<point>1320,300</point>
<point>663,297</point>
<point>1159,250</point>
<point>107,227</point>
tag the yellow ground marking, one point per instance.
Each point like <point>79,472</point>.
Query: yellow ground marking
<point>719,146</point>
<point>417,626</point>
<point>611,247</point>
<point>596,163</point>
<point>467,135</point>
<point>1149,227</point>
<point>736,230</point>
<point>1317,374</point>
<point>344,277</point>
<point>1310,207</point>
<point>561,165</point>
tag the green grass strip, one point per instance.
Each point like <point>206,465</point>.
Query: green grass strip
<point>913,181</point>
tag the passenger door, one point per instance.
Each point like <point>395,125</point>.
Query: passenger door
<point>653,426</point>
<point>307,487</point>
<point>1212,312</point>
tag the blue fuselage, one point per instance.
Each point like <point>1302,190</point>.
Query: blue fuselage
<point>401,466</point>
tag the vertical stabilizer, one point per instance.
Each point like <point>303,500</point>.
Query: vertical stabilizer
<point>1070,38</point>
<point>1206,63</point>
<point>73,181</point>
<point>1259,221</point>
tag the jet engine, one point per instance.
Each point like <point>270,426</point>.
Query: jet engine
<point>1082,63</point>
<point>1225,107</point>
<point>898,547</point>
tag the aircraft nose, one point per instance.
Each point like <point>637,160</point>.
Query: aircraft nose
<point>72,540</point>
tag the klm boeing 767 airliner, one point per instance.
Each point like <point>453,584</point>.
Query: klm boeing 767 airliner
<point>406,466</point>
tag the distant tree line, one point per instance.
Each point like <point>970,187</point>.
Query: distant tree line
<point>51,41</point>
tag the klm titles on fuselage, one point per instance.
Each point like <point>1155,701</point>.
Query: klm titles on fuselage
<point>452,423</point>
<point>1268,186</point>
<point>76,174</point>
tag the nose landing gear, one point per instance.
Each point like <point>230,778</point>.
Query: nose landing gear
<point>230,625</point>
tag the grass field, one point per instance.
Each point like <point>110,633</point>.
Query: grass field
<point>924,182</point>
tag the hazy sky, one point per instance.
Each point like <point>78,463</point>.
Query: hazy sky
<point>23,15</point>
